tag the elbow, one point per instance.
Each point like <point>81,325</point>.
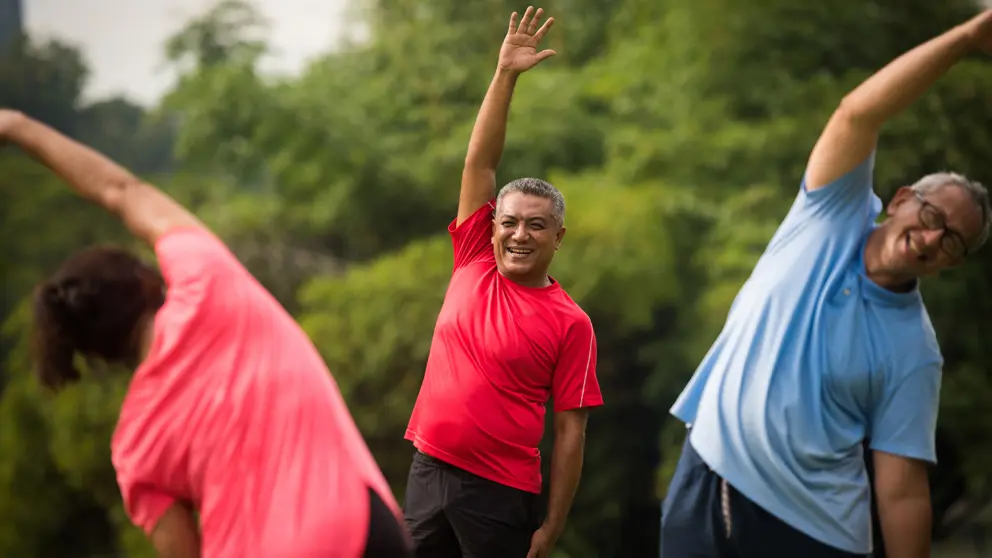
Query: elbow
<point>112,195</point>
<point>853,112</point>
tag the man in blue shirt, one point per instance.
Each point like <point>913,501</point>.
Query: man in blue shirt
<point>828,344</point>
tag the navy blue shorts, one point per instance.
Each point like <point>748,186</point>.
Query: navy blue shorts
<point>704,517</point>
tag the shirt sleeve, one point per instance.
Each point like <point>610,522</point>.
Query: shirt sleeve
<point>904,422</point>
<point>574,384</point>
<point>192,255</point>
<point>831,220</point>
<point>145,505</point>
<point>472,240</point>
<point>851,194</point>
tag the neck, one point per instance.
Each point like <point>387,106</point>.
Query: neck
<point>878,273</point>
<point>146,334</point>
<point>537,282</point>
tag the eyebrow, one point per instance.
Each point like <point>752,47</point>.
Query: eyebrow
<point>516,218</point>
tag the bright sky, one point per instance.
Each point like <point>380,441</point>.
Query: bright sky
<point>122,40</point>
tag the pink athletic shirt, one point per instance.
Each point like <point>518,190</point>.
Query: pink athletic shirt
<point>235,412</point>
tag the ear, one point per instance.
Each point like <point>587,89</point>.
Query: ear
<point>558,236</point>
<point>902,195</point>
<point>492,238</point>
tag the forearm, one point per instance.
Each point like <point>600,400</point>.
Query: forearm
<point>566,470</point>
<point>904,80</point>
<point>906,526</point>
<point>485,148</point>
<point>177,534</point>
<point>90,173</point>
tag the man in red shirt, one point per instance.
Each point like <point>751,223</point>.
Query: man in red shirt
<point>507,339</point>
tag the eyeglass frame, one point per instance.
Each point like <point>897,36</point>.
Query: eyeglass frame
<point>940,225</point>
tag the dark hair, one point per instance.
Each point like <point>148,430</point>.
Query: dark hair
<point>92,306</point>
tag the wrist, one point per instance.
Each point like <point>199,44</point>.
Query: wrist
<point>506,73</point>
<point>554,526</point>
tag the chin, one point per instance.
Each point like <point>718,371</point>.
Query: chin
<point>516,270</point>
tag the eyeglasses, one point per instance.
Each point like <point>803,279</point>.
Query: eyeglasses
<point>951,241</point>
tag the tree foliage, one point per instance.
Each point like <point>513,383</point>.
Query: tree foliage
<point>678,131</point>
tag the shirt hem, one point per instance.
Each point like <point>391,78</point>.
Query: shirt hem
<point>434,451</point>
<point>781,515</point>
<point>564,408</point>
<point>904,451</point>
<point>154,515</point>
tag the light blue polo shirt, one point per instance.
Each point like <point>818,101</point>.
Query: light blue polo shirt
<point>815,358</point>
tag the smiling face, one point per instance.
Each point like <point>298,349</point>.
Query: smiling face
<point>526,236</point>
<point>926,232</point>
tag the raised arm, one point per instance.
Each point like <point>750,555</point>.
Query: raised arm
<point>146,211</point>
<point>518,54</point>
<point>852,132</point>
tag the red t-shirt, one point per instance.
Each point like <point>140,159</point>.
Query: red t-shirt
<point>499,351</point>
<point>235,411</point>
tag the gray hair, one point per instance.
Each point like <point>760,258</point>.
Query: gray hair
<point>539,188</point>
<point>979,195</point>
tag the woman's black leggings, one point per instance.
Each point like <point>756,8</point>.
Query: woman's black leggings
<point>387,537</point>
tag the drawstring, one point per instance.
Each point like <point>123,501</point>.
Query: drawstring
<point>725,506</point>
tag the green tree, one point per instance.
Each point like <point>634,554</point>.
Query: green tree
<point>43,79</point>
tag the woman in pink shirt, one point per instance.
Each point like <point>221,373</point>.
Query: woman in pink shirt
<point>231,414</point>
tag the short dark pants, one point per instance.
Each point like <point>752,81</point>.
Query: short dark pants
<point>452,513</point>
<point>704,517</point>
<point>386,537</point>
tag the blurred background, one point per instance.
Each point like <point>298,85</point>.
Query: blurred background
<point>324,142</point>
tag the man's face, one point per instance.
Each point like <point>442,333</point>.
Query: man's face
<point>525,238</point>
<point>926,233</point>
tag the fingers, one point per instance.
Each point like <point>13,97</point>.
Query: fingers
<point>532,26</point>
<point>525,21</point>
<point>545,54</point>
<point>544,29</point>
<point>513,23</point>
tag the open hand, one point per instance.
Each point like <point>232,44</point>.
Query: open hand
<point>979,30</point>
<point>519,52</point>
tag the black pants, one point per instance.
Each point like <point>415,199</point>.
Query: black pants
<point>386,538</point>
<point>704,517</point>
<point>452,513</point>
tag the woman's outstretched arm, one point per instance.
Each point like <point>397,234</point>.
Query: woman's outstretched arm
<point>145,210</point>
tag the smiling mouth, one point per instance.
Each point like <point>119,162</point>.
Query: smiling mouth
<point>519,251</point>
<point>912,250</point>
